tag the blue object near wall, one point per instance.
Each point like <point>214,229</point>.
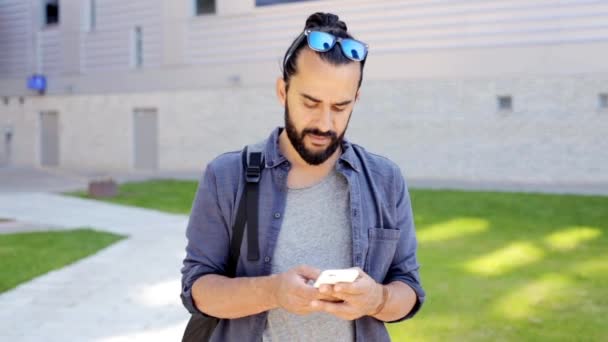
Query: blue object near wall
<point>37,82</point>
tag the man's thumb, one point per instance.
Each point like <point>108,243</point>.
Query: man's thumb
<point>308,272</point>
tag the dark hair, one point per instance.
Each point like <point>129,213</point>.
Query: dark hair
<point>326,22</point>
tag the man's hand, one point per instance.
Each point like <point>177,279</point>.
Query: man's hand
<point>293,293</point>
<point>361,298</point>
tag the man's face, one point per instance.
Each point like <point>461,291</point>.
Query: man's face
<point>318,105</point>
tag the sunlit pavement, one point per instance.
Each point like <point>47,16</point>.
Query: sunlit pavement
<point>126,292</point>
<point>39,179</point>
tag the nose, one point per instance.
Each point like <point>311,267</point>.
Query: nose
<point>325,123</point>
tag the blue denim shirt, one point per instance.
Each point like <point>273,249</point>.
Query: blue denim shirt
<point>383,236</point>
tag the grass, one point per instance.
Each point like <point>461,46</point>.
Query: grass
<point>510,267</point>
<point>173,196</point>
<point>496,266</point>
<point>27,255</point>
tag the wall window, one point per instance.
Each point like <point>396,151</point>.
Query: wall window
<point>204,7</point>
<point>275,2</point>
<point>504,103</point>
<point>50,12</point>
<point>138,47</point>
<point>89,15</point>
<point>603,101</point>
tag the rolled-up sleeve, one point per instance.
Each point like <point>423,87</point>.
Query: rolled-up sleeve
<point>405,266</point>
<point>208,238</point>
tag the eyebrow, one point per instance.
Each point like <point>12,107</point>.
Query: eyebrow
<point>317,100</point>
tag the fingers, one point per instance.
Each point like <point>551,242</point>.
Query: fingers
<point>342,295</point>
<point>343,310</point>
<point>329,299</point>
<point>308,272</point>
<point>306,292</point>
<point>303,289</point>
<point>360,286</point>
<point>326,288</point>
<point>300,276</point>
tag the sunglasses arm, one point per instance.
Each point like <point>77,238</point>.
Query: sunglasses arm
<point>293,47</point>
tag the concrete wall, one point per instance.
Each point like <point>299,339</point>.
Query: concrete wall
<point>429,100</point>
<point>16,39</point>
<point>244,44</point>
<point>434,129</point>
<point>451,128</point>
<point>23,123</point>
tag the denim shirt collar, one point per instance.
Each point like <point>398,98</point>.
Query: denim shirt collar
<point>274,157</point>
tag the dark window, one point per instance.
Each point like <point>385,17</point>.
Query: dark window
<point>204,7</point>
<point>89,16</point>
<point>92,15</point>
<point>51,12</point>
<point>603,101</point>
<point>505,103</point>
<point>275,2</point>
<point>138,47</point>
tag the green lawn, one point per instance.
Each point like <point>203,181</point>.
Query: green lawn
<point>496,266</point>
<point>24,256</point>
<point>511,267</point>
<point>174,196</point>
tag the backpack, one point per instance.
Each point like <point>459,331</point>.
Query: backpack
<point>200,327</point>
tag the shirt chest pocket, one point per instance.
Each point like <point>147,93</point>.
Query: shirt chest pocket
<point>381,251</point>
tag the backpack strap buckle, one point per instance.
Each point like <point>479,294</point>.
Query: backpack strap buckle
<point>254,168</point>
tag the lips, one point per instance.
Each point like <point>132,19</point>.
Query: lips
<point>318,139</point>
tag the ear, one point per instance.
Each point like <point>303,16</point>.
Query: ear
<point>281,93</point>
<point>357,95</point>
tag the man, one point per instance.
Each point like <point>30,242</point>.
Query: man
<point>324,203</point>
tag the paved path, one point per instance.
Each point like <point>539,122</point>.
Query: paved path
<point>127,292</point>
<point>31,179</point>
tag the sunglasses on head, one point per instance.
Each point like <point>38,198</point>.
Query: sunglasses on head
<point>322,42</point>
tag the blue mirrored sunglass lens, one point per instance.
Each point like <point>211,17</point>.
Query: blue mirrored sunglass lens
<point>321,41</point>
<point>353,49</point>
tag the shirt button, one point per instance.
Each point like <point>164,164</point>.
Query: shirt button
<point>267,259</point>
<point>277,215</point>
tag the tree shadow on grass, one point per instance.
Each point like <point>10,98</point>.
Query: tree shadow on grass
<point>510,266</point>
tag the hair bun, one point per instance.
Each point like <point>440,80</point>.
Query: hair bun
<point>321,19</point>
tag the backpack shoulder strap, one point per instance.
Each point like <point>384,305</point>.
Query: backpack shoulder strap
<point>253,175</point>
<point>252,159</point>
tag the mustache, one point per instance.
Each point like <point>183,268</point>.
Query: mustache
<point>316,131</point>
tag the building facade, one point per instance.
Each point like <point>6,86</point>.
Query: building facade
<point>494,91</point>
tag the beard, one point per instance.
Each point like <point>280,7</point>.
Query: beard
<point>297,140</point>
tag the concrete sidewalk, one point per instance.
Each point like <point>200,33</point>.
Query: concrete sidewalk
<point>31,179</point>
<point>127,292</point>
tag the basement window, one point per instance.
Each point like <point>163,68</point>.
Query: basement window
<point>603,101</point>
<point>504,103</point>
<point>204,7</point>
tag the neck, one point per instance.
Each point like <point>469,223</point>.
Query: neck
<point>296,160</point>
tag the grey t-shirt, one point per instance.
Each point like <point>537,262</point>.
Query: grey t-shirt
<point>316,231</point>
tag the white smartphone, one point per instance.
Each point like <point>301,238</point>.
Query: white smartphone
<point>337,276</point>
